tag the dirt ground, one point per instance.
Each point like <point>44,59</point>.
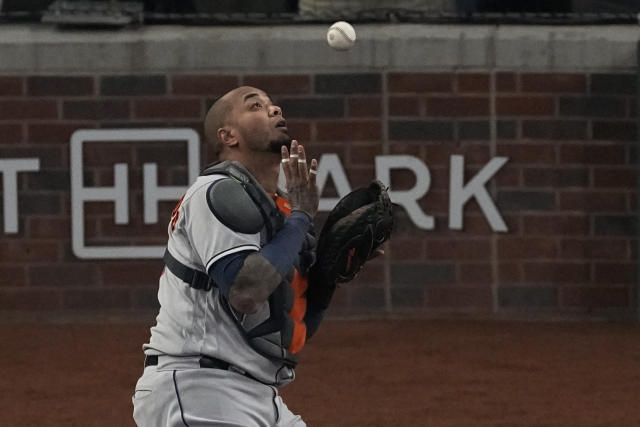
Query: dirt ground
<point>355,373</point>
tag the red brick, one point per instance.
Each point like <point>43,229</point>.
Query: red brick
<point>457,107</point>
<point>458,297</point>
<point>92,299</point>
<point>556,177</point>
<point>624,177</point>
<point>474,273</point>
<point>132,273</point>
<point>592,154</point>
<point>615,131</point>
<point>360,176</point>
<point>167,108</point>
<point>506,82</point>
<point>406,249</point>
<point>420,82</point>
<point>50,156</point>
<point>364,153</point>
<point>553,82</point>
<point>595,297</point>
<point>106,154</point>
<point>365,299</point>
<point>280,85</point>
<point>30,299</point>
<point>64,275</point>
<point>467,249</point>
<point>475,154</point>
<point>593,201</point>
<point>550,272</point>
<point>60,86</point>
<point>49,228</point>
<point>614,83</point>
<point>508,176</point>
<point>109,109</point>
<point>402,179</point>
<point>434,203</point>
<point>553,225</point>
<point>404,106</point>
<point>28,251</point>
<point>438,155</point>
<point>28,109</point>
<point>135,230</point>
<point>509,272</point>
<point>165,154</point>
<point>594,249</point>
<point>525,106</point>
<point>526,248</point>
<point>528,153</point>
<point>473,82</point>
<point>406,148</point>
<point>203,85</point>
<point>300,131</point>
<point>364,107</point>
<point>348,131</point>
<point>478,224</point>
<point>615,273</point>
<point>373,272</point>
<point>316,149</point>
<point>554,129</point>
<point>53,133</point>
<point>11,86</point>
<point>133,85</point>
<point>11,133</point>
<point>12,276</point>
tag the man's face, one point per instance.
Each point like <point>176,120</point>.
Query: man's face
<point>259,123</point>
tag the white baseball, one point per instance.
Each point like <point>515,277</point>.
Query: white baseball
<point>341,35</point>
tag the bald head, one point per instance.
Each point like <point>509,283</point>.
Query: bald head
<point>220,114</point>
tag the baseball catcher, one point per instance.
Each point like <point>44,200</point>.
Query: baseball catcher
<point>243,287</point>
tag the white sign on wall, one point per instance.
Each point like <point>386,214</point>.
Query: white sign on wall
<point>9,169</point>
<point>329,166</point>
<point>119,193</point>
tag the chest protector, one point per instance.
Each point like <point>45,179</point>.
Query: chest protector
<point>269,331</point>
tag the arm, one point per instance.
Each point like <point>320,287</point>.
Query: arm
<point>248,278</point>
<point>262,271</point>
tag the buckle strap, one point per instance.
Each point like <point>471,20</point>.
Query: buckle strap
<point>206,362</point>
<point>214,363</point>
<point>195,278</point>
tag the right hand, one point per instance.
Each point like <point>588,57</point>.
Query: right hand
<point>301,182</point>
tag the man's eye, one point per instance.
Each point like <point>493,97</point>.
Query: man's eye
<point>256,105</point>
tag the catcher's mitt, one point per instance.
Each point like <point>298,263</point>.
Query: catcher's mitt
<point>355,228</point>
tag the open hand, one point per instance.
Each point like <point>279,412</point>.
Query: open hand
<point>300,180</point>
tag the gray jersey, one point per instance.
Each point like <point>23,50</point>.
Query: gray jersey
<point>193,322</point>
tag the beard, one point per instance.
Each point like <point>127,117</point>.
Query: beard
<point>276,145</point>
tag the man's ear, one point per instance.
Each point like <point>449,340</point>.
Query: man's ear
<point>228,136</point>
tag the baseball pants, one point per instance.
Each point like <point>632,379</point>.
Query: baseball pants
<point>183,394</point>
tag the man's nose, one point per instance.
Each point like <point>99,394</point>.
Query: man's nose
<point>275,110</point>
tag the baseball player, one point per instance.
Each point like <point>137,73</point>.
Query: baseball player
<point>233,311</point>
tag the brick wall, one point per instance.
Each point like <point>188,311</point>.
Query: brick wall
<point>567,192</point>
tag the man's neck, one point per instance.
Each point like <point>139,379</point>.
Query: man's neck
<point>265,169</point>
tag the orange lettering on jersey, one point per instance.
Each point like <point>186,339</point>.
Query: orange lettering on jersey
<point>175,214</point>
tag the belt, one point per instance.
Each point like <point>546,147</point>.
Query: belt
<point>206,362</point>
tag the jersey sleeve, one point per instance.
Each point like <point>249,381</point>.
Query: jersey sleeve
<point>211,238</point>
